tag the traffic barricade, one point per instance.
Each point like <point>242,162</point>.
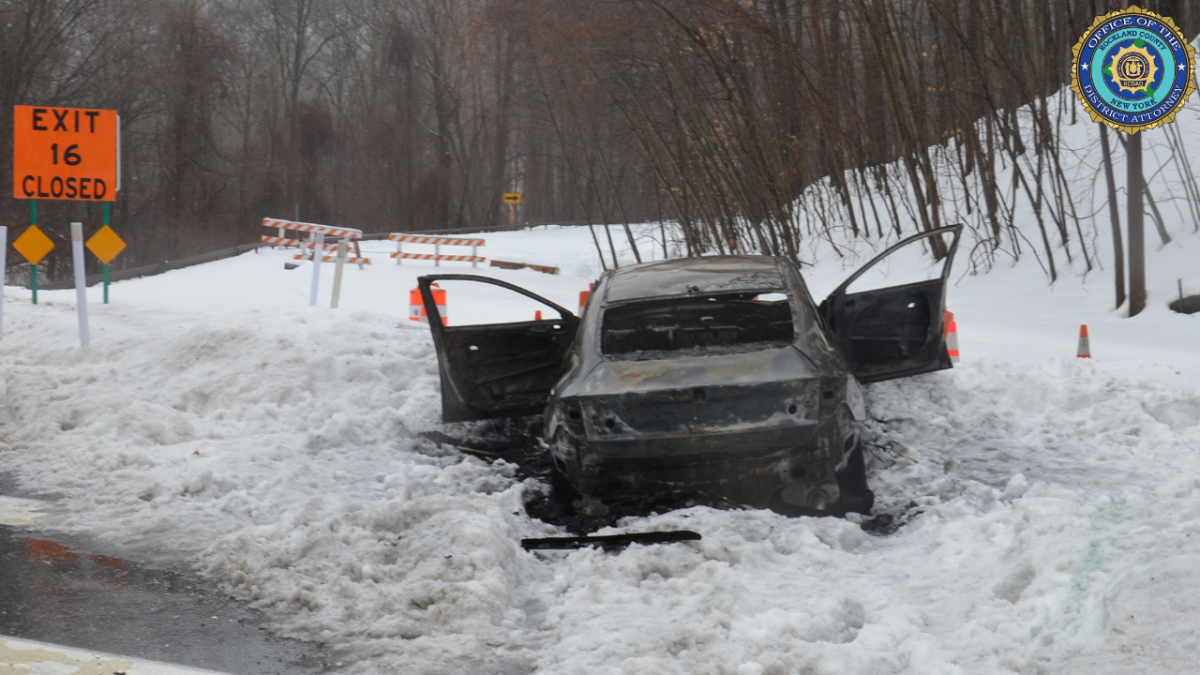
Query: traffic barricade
<point>438,242</point>
<point>349,233</point>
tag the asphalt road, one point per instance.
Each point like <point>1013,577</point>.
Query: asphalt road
<point>60,593</point>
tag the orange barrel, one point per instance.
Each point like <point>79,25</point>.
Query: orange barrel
<point>583,298</point>
<point>416,306</point>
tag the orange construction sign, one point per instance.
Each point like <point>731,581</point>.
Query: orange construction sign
<point>65,153</point>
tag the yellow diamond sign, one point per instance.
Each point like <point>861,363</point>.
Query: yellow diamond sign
<point>105,244</point>
<point>33,244</point>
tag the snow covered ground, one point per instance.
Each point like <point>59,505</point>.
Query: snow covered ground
<point>1052,504</point>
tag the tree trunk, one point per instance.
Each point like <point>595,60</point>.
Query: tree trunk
<point>1137,239</point>
<point>1114,215</point>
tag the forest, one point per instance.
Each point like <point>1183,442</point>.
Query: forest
<point>417,115</point>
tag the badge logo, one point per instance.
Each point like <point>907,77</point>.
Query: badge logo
<point>1133,70</point>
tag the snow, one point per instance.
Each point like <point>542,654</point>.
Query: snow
<point>1050,506</point>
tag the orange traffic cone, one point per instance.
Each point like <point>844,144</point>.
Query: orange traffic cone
<point>1085,350</point>
<point>951,336</point>
<point>583,298</point>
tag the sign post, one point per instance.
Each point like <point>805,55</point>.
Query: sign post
<point>105,245</point>
<point>34,245</point>
<point>337,272</point>
<point>80,282</point>
<point>512,199</point>
<point>106,211</point>
<point>318,249</point>
<point>3,270</point>
<point>33,266</point>
<point>63,153</point>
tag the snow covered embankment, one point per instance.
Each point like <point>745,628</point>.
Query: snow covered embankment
<point>277,450</point>
<point>1052,504</point>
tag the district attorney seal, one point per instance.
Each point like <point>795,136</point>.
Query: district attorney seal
<point>1133,70</point>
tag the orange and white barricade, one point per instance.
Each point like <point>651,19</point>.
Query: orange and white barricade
<point>416,305</point>
<point>333,258</point>
<point>283,241</point>
<point>438,243</point>
<point>312,229</point>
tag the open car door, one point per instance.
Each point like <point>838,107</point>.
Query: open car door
<point>499,369</point>
<point>894,331</point>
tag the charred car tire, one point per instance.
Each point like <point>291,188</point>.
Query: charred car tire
<point>856,496</point>
<point>561,488</point>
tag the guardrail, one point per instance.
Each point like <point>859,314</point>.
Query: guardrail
<point>220,254</point>
<point>155,269</point>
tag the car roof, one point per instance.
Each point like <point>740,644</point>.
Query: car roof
<point>690,276</point>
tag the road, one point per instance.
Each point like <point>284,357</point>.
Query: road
<point>60,593</point>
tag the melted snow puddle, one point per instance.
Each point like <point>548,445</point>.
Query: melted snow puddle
<point>18,512</point>
<point>41,658</point>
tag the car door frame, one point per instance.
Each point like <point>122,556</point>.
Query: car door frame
<point>460,401</point>
<point>838,308</point>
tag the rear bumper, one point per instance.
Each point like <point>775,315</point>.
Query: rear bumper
<point>745,467</point>
<point>706,445</point>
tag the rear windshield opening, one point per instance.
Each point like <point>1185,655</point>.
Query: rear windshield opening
<point>708,324</point>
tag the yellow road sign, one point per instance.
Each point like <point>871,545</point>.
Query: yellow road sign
<point>105,244</point>
<point>512,197</point>
<point>33,244</point>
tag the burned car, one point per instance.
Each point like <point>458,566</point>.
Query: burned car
<point>715,375</point>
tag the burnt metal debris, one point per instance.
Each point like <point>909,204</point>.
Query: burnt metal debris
<point>1188,305</point>
<point>609,541</point>
<point>716,376</point>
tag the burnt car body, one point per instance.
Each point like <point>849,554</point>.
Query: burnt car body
<point>713,375</point>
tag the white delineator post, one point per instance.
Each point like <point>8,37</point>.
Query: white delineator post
<point>3,270</point>
<point>80,282</point>
<point>337,272</point>
<point>316,260</point>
